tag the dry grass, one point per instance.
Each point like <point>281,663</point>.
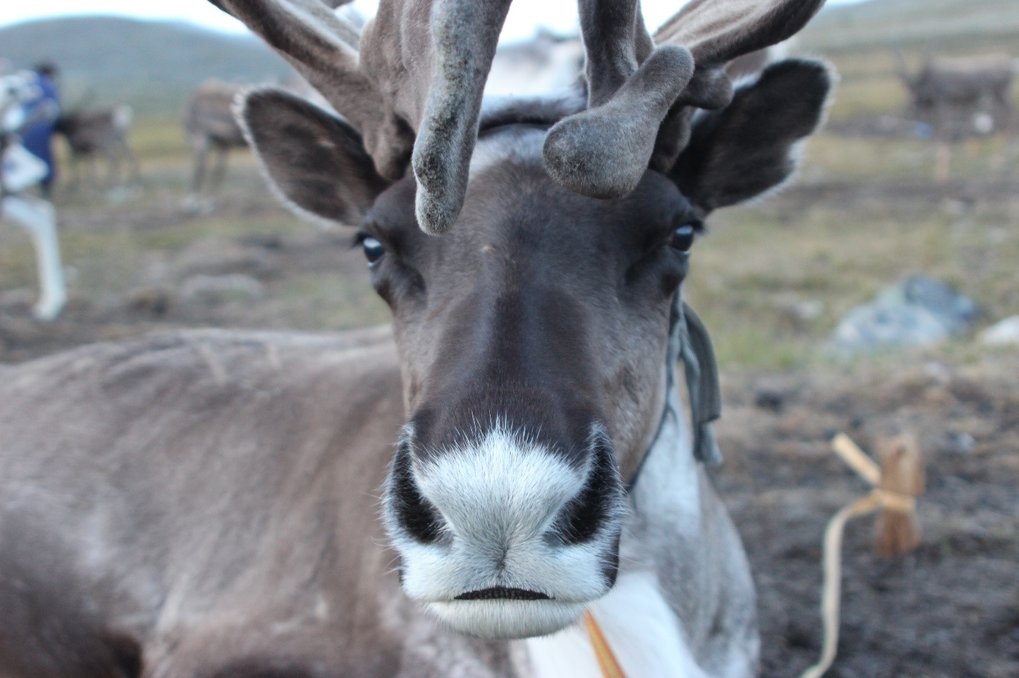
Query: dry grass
<point>864,213</point>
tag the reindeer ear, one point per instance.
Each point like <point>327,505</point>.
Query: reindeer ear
<point>745,149</point>
<point>314,160</point>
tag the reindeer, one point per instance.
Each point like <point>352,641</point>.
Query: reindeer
<point>20,172</point>
<point>954,94</point>
<point>204,504</point>
<point>99,133</point>
<point>543,64</point>
<point>211,126</point>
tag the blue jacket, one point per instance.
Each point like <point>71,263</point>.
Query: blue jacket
<point>37,136</point>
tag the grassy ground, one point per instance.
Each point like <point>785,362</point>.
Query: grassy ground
<point>864,213</point>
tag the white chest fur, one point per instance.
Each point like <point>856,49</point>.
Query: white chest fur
<point>643,632</point>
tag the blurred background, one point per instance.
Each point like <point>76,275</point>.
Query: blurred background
<point>878,293</point>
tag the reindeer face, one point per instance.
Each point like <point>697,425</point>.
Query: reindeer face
<point>533,339</point>
<point>533,333</point>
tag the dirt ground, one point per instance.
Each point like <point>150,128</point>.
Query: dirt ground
<point>950,609</point>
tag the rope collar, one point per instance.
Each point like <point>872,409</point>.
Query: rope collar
<point>689,342</point>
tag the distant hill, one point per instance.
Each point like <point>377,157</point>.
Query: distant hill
<point>958,25</point>
<point>151,65</point>
<point>154,65</point>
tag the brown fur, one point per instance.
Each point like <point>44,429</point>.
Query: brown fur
<point>99,133</point>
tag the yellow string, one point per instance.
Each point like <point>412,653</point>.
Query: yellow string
<point>831,588</point>
<point>607,662</point>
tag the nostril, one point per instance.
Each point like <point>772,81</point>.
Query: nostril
<point>416,515</point>
<point>587,513</point>
<point>503,593</point>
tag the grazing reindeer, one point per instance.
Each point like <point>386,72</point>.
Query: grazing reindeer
<point>19,172</point>
<point>951,93</point>
<point>99,133</point>
<point>211,126</point>
<point>205,504</point>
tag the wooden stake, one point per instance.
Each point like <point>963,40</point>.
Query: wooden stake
<point>897,482</point>
<point>902,474</point>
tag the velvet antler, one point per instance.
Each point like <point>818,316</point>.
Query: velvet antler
<point>415,84</point>
<point>324,49</point>
<point>412,83</point>
<point>642,96</point>
<point>716,33</point>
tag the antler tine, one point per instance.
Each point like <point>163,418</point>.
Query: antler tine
<point>604,151</point>
<point>323,49</point>
<point>616,42</point>
<point>641,98</point>
<point>422,69</point>
<point>716,33</point>
<point>423,66</point>
<point>465,34</point>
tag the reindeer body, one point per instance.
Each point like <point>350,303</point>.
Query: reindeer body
<point>211,127</point>
<point>237,531</point>
<point>949,92</point>
<point>99,133</point>
<point>208,504</point>
<point>133,567</point>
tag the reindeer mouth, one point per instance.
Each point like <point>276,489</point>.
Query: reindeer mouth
<point>503,593</point>
<point>494,616</point>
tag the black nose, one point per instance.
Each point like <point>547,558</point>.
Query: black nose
<point>417,516</point>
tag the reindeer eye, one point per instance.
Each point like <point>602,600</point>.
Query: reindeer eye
<point>682,237</point>
<point>373,249</point>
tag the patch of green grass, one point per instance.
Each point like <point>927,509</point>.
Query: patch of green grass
<point>160,138</point>
<point>771,280</point>
<point>331,302</point>
<point>759,266</point>
<point>17,259</point>
<point>873,96</point>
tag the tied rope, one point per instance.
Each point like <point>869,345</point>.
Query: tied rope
<point>831,586</point>
<point>607,661</point>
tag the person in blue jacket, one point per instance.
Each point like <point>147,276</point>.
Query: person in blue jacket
<point>42,112</point>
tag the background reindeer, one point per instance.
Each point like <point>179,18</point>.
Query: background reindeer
<point>207,515</point>
<point>543,64</point>
<point>962,95</point>
<point>211,127</point>
<point>101,133</point>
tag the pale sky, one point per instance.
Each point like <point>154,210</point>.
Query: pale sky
<point>525,15</point>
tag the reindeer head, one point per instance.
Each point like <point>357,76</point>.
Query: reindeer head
<point>535,335</point>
